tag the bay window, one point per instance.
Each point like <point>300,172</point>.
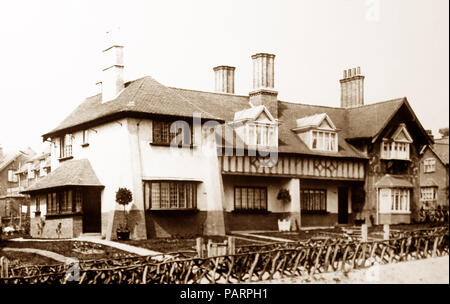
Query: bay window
<point>394,200</point>
<point>64,202</point>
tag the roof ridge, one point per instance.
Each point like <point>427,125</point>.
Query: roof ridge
<point>312,105</point>
<point>380,102</point>
<point>218,93</point>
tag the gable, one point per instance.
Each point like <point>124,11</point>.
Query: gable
<point>263,117</point>
<point>319,121</point>
<point>325,125</point>
<point>402,134</point>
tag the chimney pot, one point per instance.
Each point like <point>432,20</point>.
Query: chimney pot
<point>112,74</point>
<point>264,82</point>
<point>352,88</point>
<point>224,79</point>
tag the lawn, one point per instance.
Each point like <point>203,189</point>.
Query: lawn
<point>25,259</point>
<point>77,249</point>
<point>170,245</point>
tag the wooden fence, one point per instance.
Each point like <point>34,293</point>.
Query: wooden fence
<point>250,263</point>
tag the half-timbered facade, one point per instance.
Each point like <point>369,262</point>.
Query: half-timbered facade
<point>214,162</point>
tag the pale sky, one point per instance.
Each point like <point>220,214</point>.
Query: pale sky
<point>51,52</point>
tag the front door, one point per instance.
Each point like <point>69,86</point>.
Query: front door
<point>342,205</point>
<point>91,211</point>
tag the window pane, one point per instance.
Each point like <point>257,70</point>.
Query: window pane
<point>237,198</point>
<point>244,198</point>
<point>155,201</point>
<point>165,192</point>
<point>182,195</point>
<point>173,195</point>
<point>251,197</point>
<point>78,200</point>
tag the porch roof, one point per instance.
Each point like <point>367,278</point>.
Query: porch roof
<point>390,181</point>
<point>71,173</point>
<point>429,182</point>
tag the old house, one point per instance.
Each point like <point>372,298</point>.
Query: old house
<point>213,162</point>
<point>434,179</point>
<point>12,202</point>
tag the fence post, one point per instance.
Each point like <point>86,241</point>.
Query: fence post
<point>364,232</point>
<point>200,245</point>
<point>209,248</point>
<point>4,265</point>
<point>387,232</point>
<point>231,245</point>
<point>435,244</point>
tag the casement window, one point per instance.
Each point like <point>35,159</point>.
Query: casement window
<point>165,132</point>
<point>394,150</point>
<point>250,198</point>
<point>12,178</point>
<point>428,193</point>
<point>30,173</point>
<point>324,141</point>
<point>313,200</point>
<point>64,202</point>
<point>170,195</point>
<point>394,200</point>
<point>262,134</point>
<point>429,165</point>
<point>65,146</point>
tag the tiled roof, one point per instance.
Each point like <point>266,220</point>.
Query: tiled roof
<point>441,150</point>
<point>429,182</point>
<point>368,120</point>
<point>250,113</point>
<point>391,181</point>
<point>145,95</point>
<point>7,159</point>
<point>311,121</point>
<point>71,173</point>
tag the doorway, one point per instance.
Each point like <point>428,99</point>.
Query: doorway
<point>342,205</point>
<point>91,211</point>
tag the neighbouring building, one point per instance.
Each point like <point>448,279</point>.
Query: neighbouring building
<point>13,204</point>
<point>213,162</point>
<point>434,178</point>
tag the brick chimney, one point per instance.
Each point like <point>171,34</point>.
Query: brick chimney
<point>352,88</point>
<point>224,76</point>
<point>112,74</point>
<point>263,83</point>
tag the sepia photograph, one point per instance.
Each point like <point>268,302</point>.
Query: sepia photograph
<point>226,148</point>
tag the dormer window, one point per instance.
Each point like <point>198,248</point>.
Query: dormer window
<point>257,127</point>
<point>397,147</point>
<point>324,140</point>
<point>318,132</point>
<point>261,134</point>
